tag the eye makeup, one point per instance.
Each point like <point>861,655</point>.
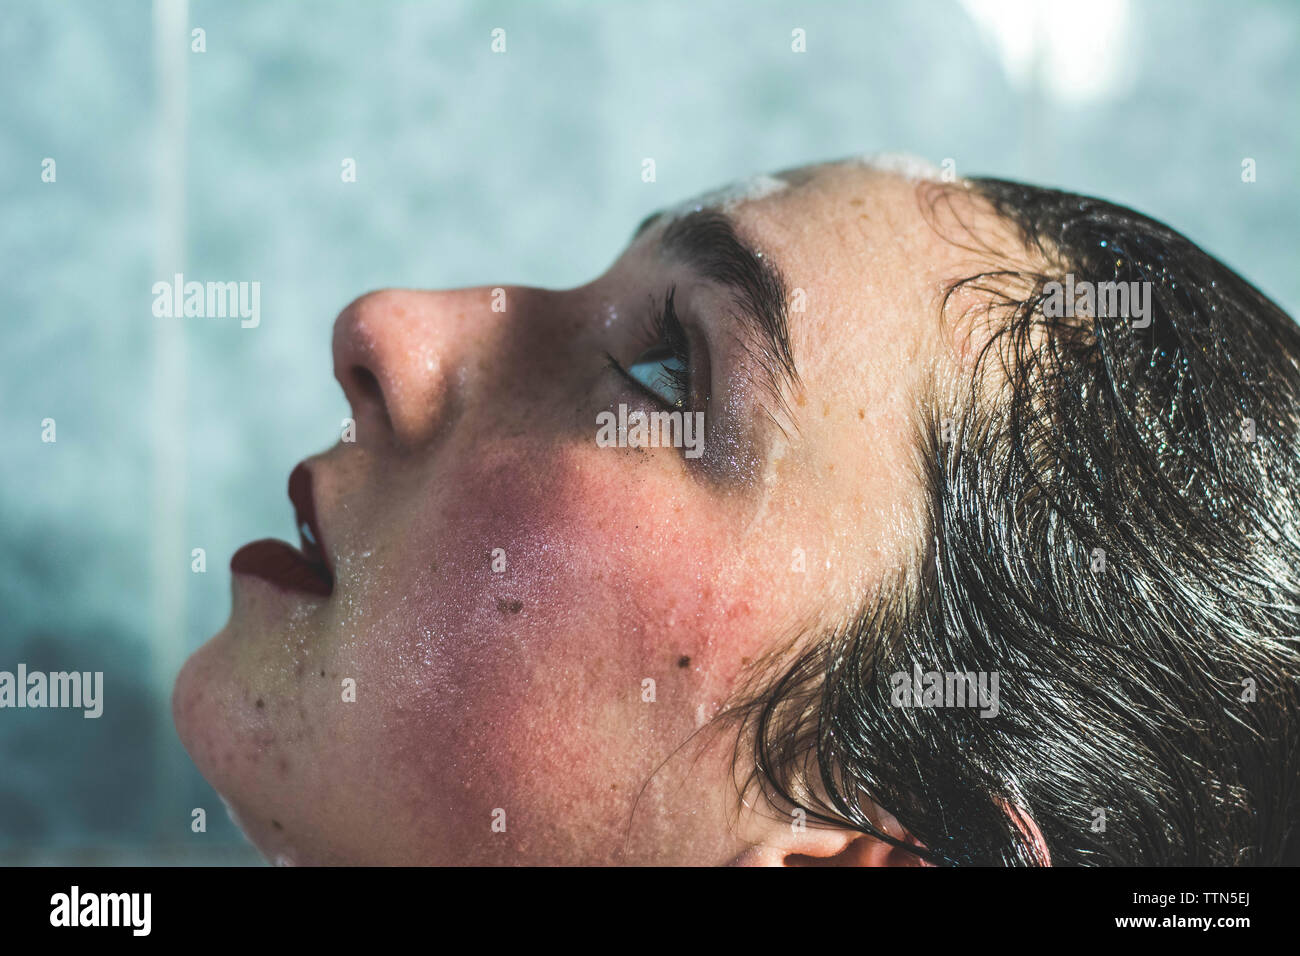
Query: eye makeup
<point>674,371</point>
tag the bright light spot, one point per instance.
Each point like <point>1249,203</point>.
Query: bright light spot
<point>1077,50</point>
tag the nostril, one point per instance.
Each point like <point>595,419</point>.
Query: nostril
<point>368,391</point>
<point>365,382</point>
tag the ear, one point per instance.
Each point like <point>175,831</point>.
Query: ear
<point>1026,825</point>
<point>795,843</point>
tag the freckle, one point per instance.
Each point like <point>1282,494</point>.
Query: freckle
<point>613,786</point>
<point>276,824</point>
<point>322,673</point>
<point>260,705</point>
<point>509,607</point>
<point>683,661</point>
<point>855,202</point>
<point>744,660</point>
<point>826,409</point>
<point>861,413</point>
<point>800,400</point>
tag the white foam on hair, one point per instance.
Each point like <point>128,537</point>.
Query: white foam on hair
<point>729,196</point>
<point>907,165</point>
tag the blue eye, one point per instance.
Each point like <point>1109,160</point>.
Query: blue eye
<point>663,372</point>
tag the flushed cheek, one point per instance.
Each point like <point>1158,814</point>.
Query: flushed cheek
<point>613,560</point>
<point>576,576</point>
<point>562,536</point>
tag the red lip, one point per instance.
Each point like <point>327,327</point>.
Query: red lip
<point>306,571</point>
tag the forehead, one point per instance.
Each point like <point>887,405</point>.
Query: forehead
<point>867,254</point>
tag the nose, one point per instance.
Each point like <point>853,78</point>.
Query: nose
<point>402,355</point>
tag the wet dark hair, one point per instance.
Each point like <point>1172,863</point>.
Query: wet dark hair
<point>1148,700</point>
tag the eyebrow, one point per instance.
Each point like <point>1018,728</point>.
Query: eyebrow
<point>706,241</point>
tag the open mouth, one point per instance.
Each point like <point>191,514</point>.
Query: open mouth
<point>306,571</point>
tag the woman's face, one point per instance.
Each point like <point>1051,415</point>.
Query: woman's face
<point>505,586</point>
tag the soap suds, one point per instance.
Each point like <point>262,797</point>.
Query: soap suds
<point>907,165</point>
<point>728,197</point>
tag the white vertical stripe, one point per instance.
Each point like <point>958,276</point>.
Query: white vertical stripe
<point>169,559</point>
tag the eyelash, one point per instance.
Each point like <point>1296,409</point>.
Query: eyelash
<point>667,328</point>
<point>662,327</point>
